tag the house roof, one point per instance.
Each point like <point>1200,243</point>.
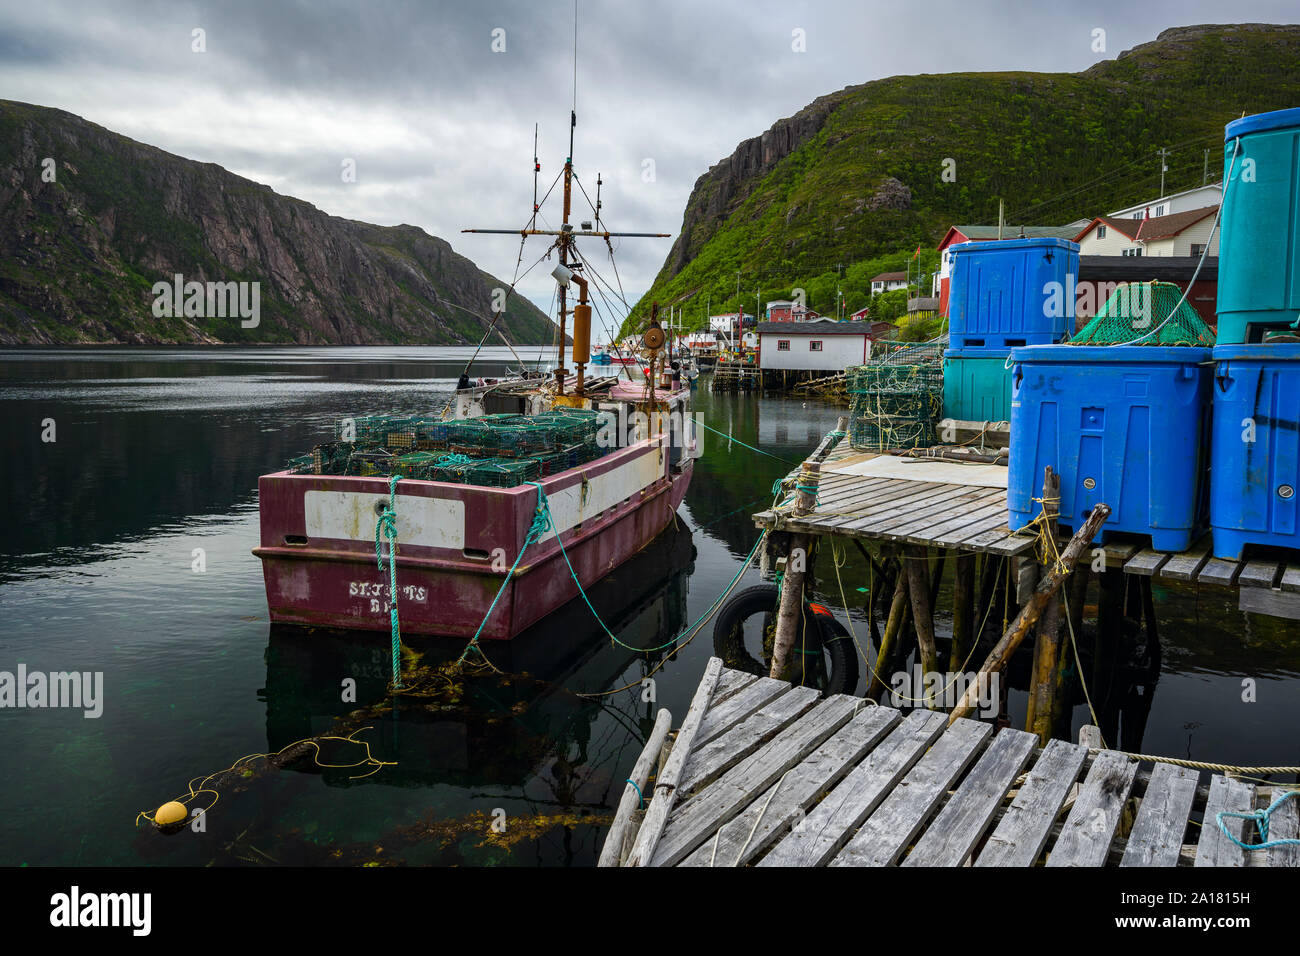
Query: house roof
<point>890,277</point>
<point>1158,227</point>
<point>814,328</point>
<point>1008,232</point>
<point>1154,202</point>
<point>1146,268</point>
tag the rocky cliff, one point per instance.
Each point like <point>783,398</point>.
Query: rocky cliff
<point>90,221</point>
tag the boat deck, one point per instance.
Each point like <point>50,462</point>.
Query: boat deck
<point>970,517</point>
<point>769,774</point>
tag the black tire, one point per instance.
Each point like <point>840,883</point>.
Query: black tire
<point>826,635</point>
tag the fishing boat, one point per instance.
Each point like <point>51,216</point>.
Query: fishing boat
<point>603,356</point>
<point>486,547</point>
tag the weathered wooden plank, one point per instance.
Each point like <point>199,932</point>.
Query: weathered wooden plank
<point>873,519</point>
<point>980,525</point>
<point>666,786</point>
<point>1146,562</point>
<point>1275,603</point>
<point>710,760</point>
<point>887,832</point>
<point>831,823</point>
<point>633,789</point>
<point>875,498</point>
<point>948,841</point>
<point>1013,544</point>
<point>1291,578</point>
<point>1260,574</point>
<point>1284,824</point>
<point>768,816</point>
<point>724,716</point>
<point>700,817</point>
<point>1219,572</point>
<point>1213,848</point>
<point>1186,565</point>
<point>729,683</point>
<point>1089,829</point>
<point>1118,552</point>
<point>1157,835</point>
<point>979,513</point>
<point>1021,834</point>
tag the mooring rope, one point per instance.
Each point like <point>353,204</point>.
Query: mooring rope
<point>1261,818</point>
<point>387,527</point>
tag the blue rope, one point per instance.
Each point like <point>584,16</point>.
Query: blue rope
<point>1261,821</point>
<point>387,526</point>
<point>638,791</point>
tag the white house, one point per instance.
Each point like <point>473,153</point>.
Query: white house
<point>888,282</point>
<point>1185,201</point>
<point>817,345</point>
<point>1178,234</point>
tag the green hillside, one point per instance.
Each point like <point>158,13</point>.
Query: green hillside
<point>851,185</point>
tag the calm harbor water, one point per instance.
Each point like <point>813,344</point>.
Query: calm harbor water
<point>157,453</point>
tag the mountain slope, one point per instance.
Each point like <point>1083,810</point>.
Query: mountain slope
<point>79,256</point>
<point>857,176</point>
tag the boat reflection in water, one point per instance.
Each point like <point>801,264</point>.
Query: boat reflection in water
<point>475,727</point>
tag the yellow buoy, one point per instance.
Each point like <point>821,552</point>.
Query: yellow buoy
<point>170,814</point>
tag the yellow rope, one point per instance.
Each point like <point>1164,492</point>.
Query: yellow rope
<point>368,760</point>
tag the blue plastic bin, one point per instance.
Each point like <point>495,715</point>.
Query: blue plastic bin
<point>977,385</point>
<point>1255,454</point>
<point>1012,292</point>
<point>1124,425</point>
<point>1259,242</point>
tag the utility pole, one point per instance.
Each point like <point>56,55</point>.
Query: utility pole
<point>1164,168</point>
<point>1205,171</point>
<point>1001,218</point>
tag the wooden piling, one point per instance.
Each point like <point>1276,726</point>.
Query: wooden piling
<point>1047,646</point>
<point>622,834</point>
<point>964,613</point>
<point>917,563</point>
<point>889,641</point>
<point>1030,613</point>
<point>789,615</point>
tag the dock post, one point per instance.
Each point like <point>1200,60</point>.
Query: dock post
<point>888,641</point>
<point>917,562</point>
<point>963,609</point>
<point>790,613</point>
<point>1047,645</point>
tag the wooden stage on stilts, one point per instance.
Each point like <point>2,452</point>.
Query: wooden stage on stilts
<point>768,774</point>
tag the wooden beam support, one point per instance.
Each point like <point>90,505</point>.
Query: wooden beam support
<point>789,617</point>
<point>1047,646</point>
<point>1030,613</point>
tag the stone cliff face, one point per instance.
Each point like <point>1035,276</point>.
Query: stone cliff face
<point>728,183</point>
<point>79,255</point>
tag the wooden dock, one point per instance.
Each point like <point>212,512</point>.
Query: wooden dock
<point>732,376</point>
<point>974,519</point>
<point>765,773</point>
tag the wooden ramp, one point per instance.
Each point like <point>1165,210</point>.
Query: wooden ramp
<point>768,774</point>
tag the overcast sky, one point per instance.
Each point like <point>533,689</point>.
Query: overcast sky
<point>440,126</point>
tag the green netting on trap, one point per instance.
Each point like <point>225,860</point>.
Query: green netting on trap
<point>890,352</point>
<point>494,450</point>
<point>894,406</point>
<point>1145,313</point>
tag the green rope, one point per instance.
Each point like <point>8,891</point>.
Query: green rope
<point>1261,821</point>
<point>541,524</point>
<point>729,438</point>
<point>387,526</point>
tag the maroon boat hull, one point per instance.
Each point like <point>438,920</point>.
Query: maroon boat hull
<point>456,544</point>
